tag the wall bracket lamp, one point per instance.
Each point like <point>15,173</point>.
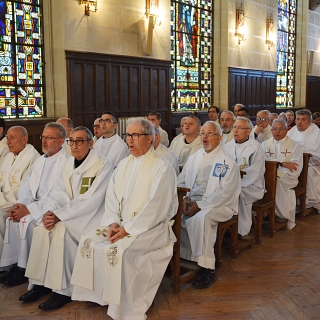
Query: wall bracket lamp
<point>90,6</point>
<point>270,33</point>
<point>152,14</point>
<point>239,32</point>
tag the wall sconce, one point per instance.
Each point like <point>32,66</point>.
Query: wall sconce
<point>90,5</point>
<point>152,13</point>
<point>240,25</point>
<point>269,33</point>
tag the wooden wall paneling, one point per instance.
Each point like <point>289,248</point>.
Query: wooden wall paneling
<point>313,96</point>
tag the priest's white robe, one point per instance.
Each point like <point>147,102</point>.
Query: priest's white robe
<point>216,194</point>
<point>146,219</point>
<point>249,157</point>
<point>264,135</point>
<point>226,137</point>
<point>183,150</point>
<point>4,150</point>
<point>77,199</point>
<point>163,137</point>
<point>13,169</point>
<point>285,150</point>
<point>309,141</point>
<point>33,193</point>
<point>169,155</point>
<point>114,149</point>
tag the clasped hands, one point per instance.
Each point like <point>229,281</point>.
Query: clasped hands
<point>190,208</point>
<point>116,232</point>
<point>49,220</point>
<point>17,212</point>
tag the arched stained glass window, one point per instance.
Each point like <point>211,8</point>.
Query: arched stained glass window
<point>21,61</point>
<point>286,52</point>
<point>191,54</point>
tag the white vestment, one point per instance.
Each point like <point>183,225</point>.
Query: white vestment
<point>114,149</point>
<point>183,150</point>
<point>264,135</point>
<point>226,137</point>
<point>309,141</point>
<point>169,155</point>
<point>141,197</point>
<point>214,180</point>
<point>249,157</point>
<point>285,150</point>
<point>77,200</point>
<point>13,169</point>
<point>4,150</point>
<point>33,193</point>
<point>164,137</point>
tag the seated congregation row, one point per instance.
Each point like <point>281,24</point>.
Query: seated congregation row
<point>87,231</point>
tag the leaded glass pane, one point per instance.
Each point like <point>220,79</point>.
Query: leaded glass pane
<point>191,49</point>
<point>286,53</point>
<point>21,72</point>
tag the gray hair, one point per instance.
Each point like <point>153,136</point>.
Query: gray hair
<point>22,130</point>
<point>304,112</point>
<point>280,120</point>
<point>60,128</point>
<point>230,112</point>
<point>156,131</point>
<point>212,123</point>
<point>69,121</point>
<point>283,114</point>
<point>274,114</point>
<point>183,119</point>
<point>146,126</point>
<point>291,112</point>
<point>238,104</point>
<point>248,121</point>
<point>85,129</point>
<point>267,111</point>
<point>194,117</point>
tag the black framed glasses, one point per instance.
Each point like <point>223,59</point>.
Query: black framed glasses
<point>48,138</point>
<point>106,121</point>
<point>77,142</point>
<point>134,136</point>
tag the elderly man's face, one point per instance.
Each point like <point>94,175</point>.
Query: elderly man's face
<point>97,129</point>
<point>241,131</point>
<point>272,117</point>
<point>141,145</point>
<point>279,131</point>
<point>302,122</point>
<point>210,138</point>
<point>51,142</point>
<point>290,117</point>
<point>191,126</point>
<point>236,108</point>
<point>213,114</point>
<point>226,122</point>
<point>182,126</point>
<point>262,119</point>
<point>16,141</point>
<point>79,144</point>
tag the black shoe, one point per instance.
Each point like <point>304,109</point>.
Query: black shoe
<point>55,301</point>
<point>16,278</point>
<point>205,280</point>
<point>34,294</point>
<point>8,274</point>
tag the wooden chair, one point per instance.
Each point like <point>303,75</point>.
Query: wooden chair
<point>301,188</point>
<point>268,204</point>
<point>191,272</point>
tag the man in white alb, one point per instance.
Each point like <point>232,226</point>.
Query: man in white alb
<point>289,154</point>
<point>262,131</point>
<point>190,142</point>
<point>97,133</point>
<point>110,145</point>
<point>249,156</point>
<point>155,118</point>
<point>214,180</point>
<point>307,135</point>
<point>75,206</point>
<point>13,169</point>
<point>227,120</point>
<point>122,262</point>
<point>32,197</point>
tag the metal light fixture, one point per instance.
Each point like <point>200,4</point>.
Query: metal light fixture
<point>239,32</point>
<point>152,14</point>
<point>90,6</point>
<point>270,33</point>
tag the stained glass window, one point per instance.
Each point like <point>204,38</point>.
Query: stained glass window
<point>191,54</point>
<point>286,52</point>
<point>21,62</point>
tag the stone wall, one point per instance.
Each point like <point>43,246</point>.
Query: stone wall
<point>314,40</point>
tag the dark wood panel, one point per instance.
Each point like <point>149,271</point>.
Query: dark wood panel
<point>313,94</point>
<point>127,86</point>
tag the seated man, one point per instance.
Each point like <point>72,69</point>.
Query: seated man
<point>29,208</point>
<point>111,146</point>
<point>190,143</point>
<point>273,116</point>
<point>262,131</point>
<point>213,114</point>
<point>290,118</point>
<point>164,151</point>
<point>122,262</point>
<point>182,121</point>
<point>243,112</point>
<point>13,169</point>
<point>214,180</point>
<point>289,154</point>
<point>74,207</point>
<point>249,157</point>
<point>155,118</point>
<point>307,135</point>
<point>4,150</point>
<point>97,133</point>
<point>227,120</point>
<point>236,109</point>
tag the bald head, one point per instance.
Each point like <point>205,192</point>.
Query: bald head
<point>17,138</point>
<point>67,123</point>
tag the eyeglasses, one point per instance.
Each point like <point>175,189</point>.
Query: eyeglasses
<point>77,142</point>
<point>239,128</point>
<point>134,136</point>
<point>261,119</point>
<point>96,126</point>
<point>48,138</point>
<point>212,111</point>
<point>280,129</point>
<point>209,134</point>
<point>106,121</point>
